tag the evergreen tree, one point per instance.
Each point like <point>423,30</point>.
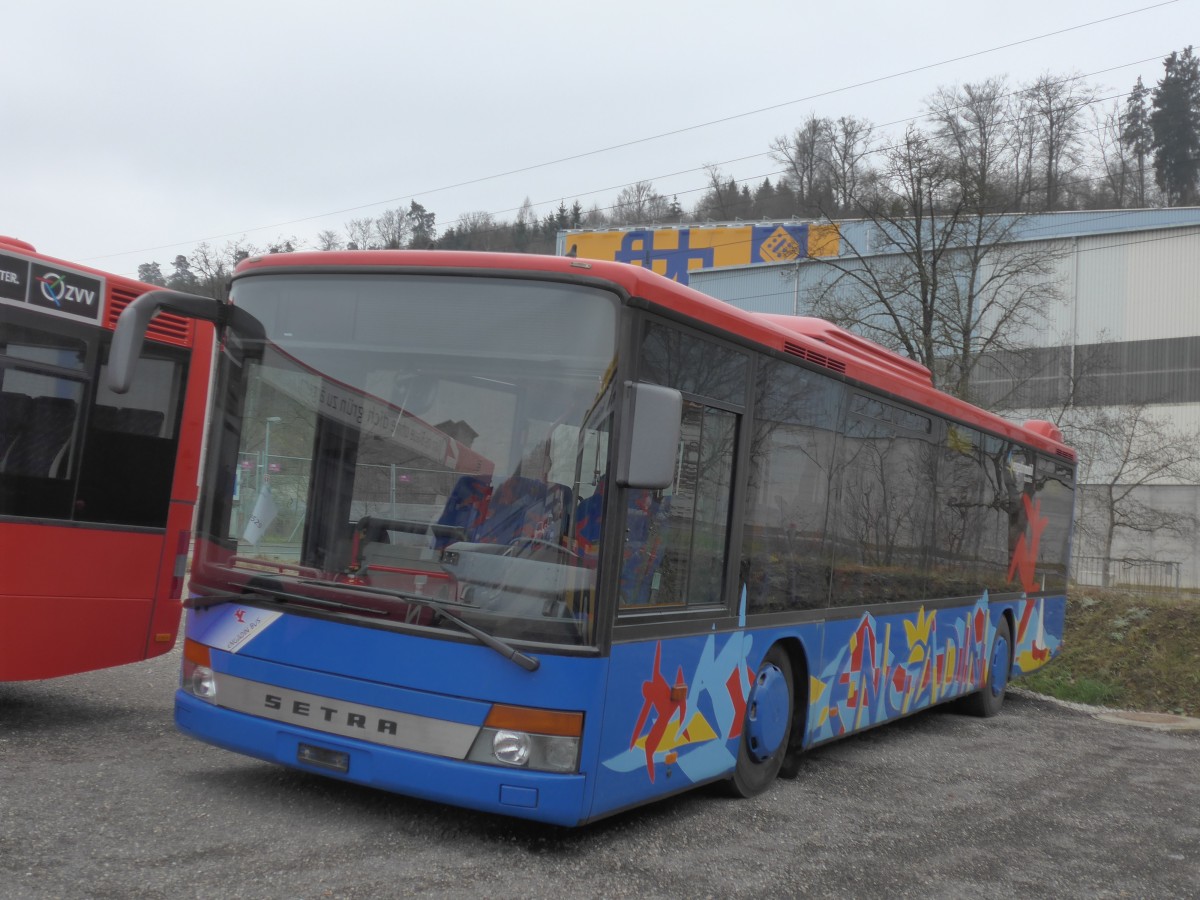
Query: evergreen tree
<point>1136,136</point>
<point>422,227</point>
<point>182,278</point>
<point>151,273</point>
<point>1175,122</point>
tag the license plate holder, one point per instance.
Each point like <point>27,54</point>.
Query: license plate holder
<point>323,758</point>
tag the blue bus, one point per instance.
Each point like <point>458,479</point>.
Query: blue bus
<point>554,538</point>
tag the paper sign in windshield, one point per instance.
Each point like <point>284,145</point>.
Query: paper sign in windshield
<point>230,627</point>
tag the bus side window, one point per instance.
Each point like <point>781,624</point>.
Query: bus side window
<point>42,450</point>
<point>676,542</point>
<point>14,413</point>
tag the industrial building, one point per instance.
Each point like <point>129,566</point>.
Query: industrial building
<point>1125,325</point>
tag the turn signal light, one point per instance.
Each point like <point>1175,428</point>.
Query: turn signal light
<point>535,721</point>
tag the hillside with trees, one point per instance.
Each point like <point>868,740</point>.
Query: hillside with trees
<point>978,153</point>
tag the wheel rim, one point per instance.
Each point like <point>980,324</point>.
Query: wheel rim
<point>767,715</point>
<point>999,665</point>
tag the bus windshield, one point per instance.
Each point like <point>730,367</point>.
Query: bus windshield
<point>431,438</point>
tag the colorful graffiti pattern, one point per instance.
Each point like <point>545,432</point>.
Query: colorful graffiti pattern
<point>694,723</point>
<point>881,669</point>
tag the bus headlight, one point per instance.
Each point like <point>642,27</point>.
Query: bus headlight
<point>197,677</point>
<point>511,747</point>
<point>204,683</point>
<point>535,739</point>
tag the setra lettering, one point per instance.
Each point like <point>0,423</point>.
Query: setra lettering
<point>331,714</point>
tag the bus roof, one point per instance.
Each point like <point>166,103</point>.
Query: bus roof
<point>814,340</point>
<point>120,292</point>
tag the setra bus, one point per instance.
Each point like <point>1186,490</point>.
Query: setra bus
<point>553,538</point>
<point>97,490</point>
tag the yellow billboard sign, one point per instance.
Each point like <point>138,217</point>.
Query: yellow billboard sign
<point>674,252</point>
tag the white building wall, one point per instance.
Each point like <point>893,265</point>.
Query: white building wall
<point>1140,285</point>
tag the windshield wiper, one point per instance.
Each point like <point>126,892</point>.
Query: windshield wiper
<point>505,649</point>
<point>207,600</point>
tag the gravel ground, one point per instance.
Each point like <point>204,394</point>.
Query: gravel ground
<point>100,797</point>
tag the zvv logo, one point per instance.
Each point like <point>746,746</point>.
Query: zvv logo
<point>67,292</point>
<point>56,290</point>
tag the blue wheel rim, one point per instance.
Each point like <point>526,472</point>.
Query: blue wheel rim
<point>999,665</point>
<point>767,718</point>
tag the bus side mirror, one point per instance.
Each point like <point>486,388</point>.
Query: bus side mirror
<point>650,427</point>
<point>135,319</point>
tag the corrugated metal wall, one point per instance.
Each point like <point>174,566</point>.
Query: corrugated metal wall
<point>1134,293</point>
<point>1128,286</point>
<point>1139,286</point>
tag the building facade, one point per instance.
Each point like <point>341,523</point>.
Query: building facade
<point>1121,337</point>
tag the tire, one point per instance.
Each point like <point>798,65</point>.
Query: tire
<point>767,727</point>
<point>987,701</point>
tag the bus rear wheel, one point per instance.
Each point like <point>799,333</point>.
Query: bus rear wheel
<point>988,700</point>
<point>766,727</point>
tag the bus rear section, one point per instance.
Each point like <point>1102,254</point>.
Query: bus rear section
<point>97,490</point>
<point>553,539</point>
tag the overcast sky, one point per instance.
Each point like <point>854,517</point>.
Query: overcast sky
<point>130,131</point>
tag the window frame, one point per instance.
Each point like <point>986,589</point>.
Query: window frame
<point>633,622</point>
<point>96,342</point>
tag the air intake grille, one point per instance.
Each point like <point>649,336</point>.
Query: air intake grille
<point>166,327</point>
<point>813,357</point>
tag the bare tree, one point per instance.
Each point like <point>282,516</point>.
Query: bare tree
<point>805,155</point>
<point>213,267</point>
<point>477,231</point>
<point>595,217</point>
<point>1124,450</point>
<point>392,229</point>
<point>1111,158</point>
<point>975,128</point>
<point>360,234</point>
<point>1056,104</point>
<point>721,198</point>
<point>944,281</point>
<point>329,240</point>
<point>639,204</point>
<point>282,245</point>
<point>848,141</point>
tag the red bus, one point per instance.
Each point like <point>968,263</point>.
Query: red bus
<point>97,490</point>
<point>554,538</point>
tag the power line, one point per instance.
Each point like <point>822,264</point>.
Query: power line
<point>639,141</point>
<point>782,173</point>
<point>498,228</point>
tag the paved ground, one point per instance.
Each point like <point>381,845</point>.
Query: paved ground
<point>101,798</point>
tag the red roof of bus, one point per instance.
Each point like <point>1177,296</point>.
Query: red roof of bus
<point>811,339</point>
<point>167,327</point>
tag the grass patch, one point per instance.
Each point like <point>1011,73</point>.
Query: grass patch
<point>1134,651</point>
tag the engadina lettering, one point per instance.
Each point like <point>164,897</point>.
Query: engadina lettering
<point>245,633</point>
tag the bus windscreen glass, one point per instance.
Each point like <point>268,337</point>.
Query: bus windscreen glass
<point>409,444</point>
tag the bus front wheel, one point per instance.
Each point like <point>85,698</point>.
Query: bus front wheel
<point>766,727</point>
<point>988,700</point>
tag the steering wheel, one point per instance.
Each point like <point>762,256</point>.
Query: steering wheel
<point>539,543</point>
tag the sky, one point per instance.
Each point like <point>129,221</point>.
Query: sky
<point>131,131</point>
